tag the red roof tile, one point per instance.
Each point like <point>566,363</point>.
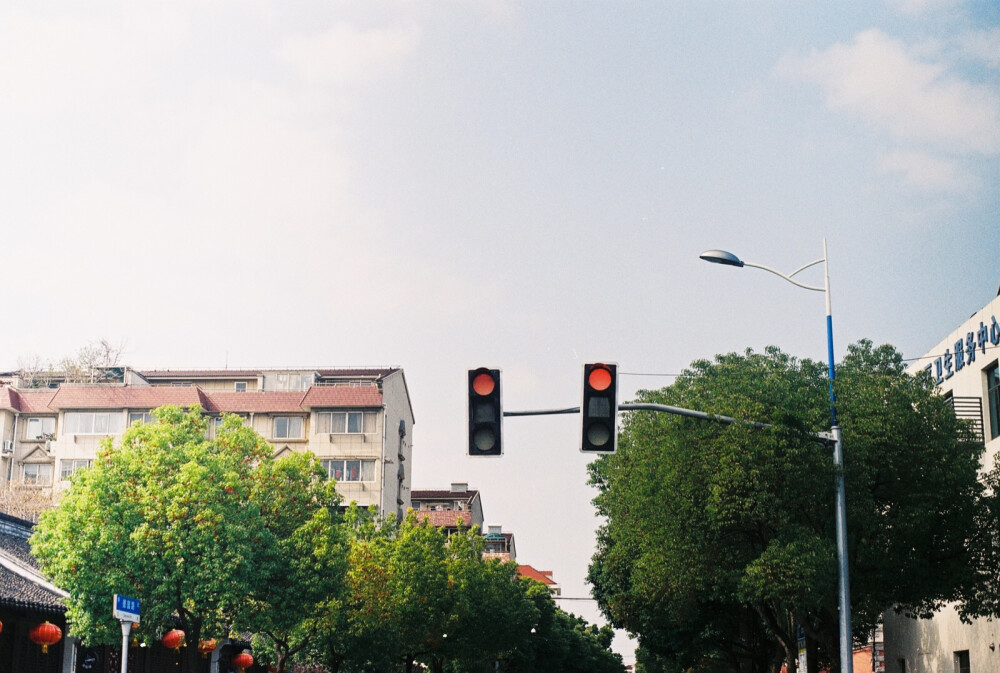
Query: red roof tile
<point>342,396</point>
<point>35,401</point>
<point>266,402</point>
<point>9,399</point>
<point>543,576</point>
<point>447,519</point>
<point>124,397</point>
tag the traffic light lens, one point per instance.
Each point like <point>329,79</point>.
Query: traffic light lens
<point>484,439</point>
<point>483,413</point>
<point>598,434</point>
<point>599,378</point>
<point>483,384</point>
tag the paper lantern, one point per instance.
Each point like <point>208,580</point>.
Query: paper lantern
<point>242,661</point>
<point>207,646</point>
<point>45,634</point>
<point>173,639</point>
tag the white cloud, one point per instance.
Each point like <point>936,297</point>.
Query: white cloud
<point>983,46</point>
<point>878,79</point>
<point>344,54</point>
<point>925,171</point>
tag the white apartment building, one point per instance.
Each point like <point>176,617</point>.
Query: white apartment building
<point>358,422</point>
<point>965,367</point>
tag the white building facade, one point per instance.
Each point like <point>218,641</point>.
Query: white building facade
<point>965,367</point>
<point>358,422</point>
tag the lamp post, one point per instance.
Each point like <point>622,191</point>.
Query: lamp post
<point>840,508</point>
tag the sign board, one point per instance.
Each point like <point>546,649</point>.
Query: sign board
<point>126,609</point>
<point>800,637</point>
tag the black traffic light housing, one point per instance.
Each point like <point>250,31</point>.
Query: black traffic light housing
<point>485,412</point>
<point>599,410</point>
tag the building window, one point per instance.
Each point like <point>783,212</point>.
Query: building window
<point>346,422</point>
<point>68,467</point>
<point>93,423</point>
<point>288,382</point>
<point>240,386</point>
<point>145,417</point>
<point>350,470</point>
<point>962,661</point>
<point>287,427</point>
<point>40,428</point>
<point>38,474</point>
<point>993,395</point>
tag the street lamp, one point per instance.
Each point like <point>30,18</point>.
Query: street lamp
<point>843,585</point>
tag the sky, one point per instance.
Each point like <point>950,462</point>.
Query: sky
<point>523,185</point>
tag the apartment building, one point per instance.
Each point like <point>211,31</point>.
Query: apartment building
<point>966,368</point>
<point>447,508</point>
<point>463,506</point>
<point>357,421</point>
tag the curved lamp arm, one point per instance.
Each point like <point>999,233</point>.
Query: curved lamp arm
<point>789,276</point>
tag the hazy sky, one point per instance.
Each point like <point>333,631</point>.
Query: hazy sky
<point>525,185</point>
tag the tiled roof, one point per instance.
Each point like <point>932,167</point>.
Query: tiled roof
<point>149,397</point>
<point>346,372</point>
<point>16,590</point>
<point>36,401</point>
<point>342,396</point>
<point>266,402</point>
<point>9,399</point>
<point>543,576</point>
<point>464,496</point>
<point>124,397</point>
<point>446,519</point>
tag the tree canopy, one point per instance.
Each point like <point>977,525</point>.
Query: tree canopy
<point>216,536</point>
<point>196,529</point>
<point>719,539</point>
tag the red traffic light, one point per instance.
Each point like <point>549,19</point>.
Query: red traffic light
<point>483,383</point>
<point>599,377</point>
<point>485,413</point>
<point>599,411</point>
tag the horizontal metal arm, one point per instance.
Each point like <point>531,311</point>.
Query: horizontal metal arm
<point>825,437</point>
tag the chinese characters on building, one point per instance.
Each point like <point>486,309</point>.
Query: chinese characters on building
<point>963,352</point>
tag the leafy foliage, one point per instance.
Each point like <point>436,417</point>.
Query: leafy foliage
<point>196,529</point>
<point>719,539</point>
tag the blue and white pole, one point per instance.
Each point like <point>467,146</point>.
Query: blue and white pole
<point>840,500</point>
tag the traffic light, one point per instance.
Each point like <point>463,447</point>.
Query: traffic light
<point>485,412</point>
<point>600,408</point>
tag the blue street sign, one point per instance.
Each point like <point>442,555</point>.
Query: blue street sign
<point>126,609</point>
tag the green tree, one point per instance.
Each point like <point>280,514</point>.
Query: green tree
<point>720,539</point>
<point>194,528</point>
<point>308,567</point>
<point>561,642</point>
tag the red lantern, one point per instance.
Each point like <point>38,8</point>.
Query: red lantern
<point>173,639</point>
<point>207,646</point>
<point>242,661</point>
<point>1,627</point>
<point>45,634</point>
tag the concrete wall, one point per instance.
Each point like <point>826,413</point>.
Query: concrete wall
<point>929,645</point>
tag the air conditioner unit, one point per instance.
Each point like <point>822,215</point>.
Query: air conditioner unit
<point>7,447</point>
